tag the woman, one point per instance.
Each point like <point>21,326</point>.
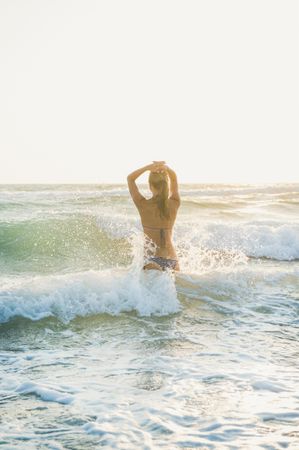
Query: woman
<point>158,213</point>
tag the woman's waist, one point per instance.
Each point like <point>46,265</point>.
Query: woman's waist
<point>164,252</point>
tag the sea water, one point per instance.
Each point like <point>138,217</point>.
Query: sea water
<point>96,353</point>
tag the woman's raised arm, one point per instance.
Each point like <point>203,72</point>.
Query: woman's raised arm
<point>174,188</point>
<point>132,177</point>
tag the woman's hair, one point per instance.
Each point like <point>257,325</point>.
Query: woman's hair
<point>160,181</point>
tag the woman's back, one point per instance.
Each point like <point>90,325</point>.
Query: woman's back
<point>157,229</point>
<point>158,214</point>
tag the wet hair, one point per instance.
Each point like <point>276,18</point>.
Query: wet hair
<point>160,181</point>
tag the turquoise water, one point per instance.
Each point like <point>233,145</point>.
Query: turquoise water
<point>94,353</point>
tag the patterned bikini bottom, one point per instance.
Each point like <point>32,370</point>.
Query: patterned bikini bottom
<point>164,263</point>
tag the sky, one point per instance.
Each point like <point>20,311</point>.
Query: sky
<point>90,90</point>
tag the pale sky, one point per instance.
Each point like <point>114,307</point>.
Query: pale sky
<point>90,90</point>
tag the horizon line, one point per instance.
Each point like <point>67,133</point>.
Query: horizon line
<point>124,183</point>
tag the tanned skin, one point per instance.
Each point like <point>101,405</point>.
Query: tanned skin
<point>149,212</point>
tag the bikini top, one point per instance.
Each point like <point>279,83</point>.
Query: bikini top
<point>162,234</point>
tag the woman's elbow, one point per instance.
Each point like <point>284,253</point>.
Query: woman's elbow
<point>130,179</point>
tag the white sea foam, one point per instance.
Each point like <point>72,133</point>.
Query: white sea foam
<point>202,244</point>
<point>266,385</point>
<point>87,293</point>
<point>258,239</point>
<point>252,239</point>
<point>54,446</point>
<point>45,392</point>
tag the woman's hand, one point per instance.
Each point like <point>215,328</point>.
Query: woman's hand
<point>157,167</point>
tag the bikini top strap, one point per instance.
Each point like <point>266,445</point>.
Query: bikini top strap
<point>162,234</point>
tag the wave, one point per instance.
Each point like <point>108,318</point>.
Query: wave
<point>87,293</point>
<point>54,243</point>
<point>51,194</point>
<point>117,291</point>
<point>239,204</point>
<point>83,242</point>
<point>210,190</point>
<point>215,204</point>
<point>213,246</point>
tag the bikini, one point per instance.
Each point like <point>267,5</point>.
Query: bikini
<point>164,263</point>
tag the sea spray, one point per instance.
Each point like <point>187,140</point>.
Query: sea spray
<point>110,291</point>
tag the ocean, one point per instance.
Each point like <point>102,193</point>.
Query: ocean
<point>96,353</point>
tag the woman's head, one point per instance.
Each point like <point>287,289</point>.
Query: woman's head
<point>159,185</point>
